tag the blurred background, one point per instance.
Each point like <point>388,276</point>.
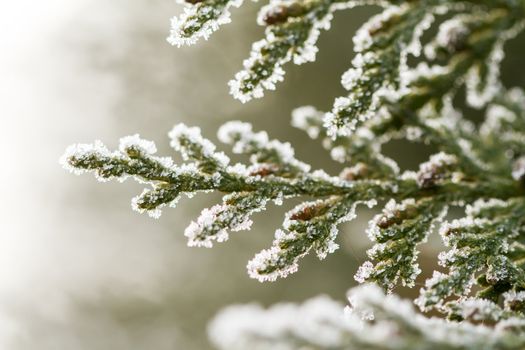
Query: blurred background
<point>80,270</point>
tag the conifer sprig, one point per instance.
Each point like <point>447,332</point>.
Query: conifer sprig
<point>275,174</point>
<point>372,320</point>
<point>477,166</point>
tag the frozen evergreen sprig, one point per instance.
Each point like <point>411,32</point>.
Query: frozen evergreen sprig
<point>292,30</point>
<point>484,248</point>
<point>273,175</point>
<point>370,321</point>
<point>199,20</point>
<point>381,46</point>
<point>478,167</point>
<point>397,231</point>
<point>471,41</point>
<point>310,225</point>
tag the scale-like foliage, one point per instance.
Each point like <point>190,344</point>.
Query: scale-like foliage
<point>477,167</point>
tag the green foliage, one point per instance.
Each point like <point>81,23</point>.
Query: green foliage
<point>479,167</point>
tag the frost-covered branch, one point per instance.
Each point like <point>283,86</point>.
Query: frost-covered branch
<point>397,231</point>
<point>413,59</point>
<point>371,321</point>
<point>292,30</point>
<point>199,20</point>
<point>488,240</point>
<point>273,174</point>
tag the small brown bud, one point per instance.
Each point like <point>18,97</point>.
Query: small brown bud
<point>281,13</point>
<point>307,213</point>
<point>357,172</point>
<point>264,170</point>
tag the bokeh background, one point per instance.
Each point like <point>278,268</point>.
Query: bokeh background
<point>78,269</point>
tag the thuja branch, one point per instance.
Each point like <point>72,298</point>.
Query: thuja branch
<point>274,174</point>
<point>372,320</point>
<point>478,167</point>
